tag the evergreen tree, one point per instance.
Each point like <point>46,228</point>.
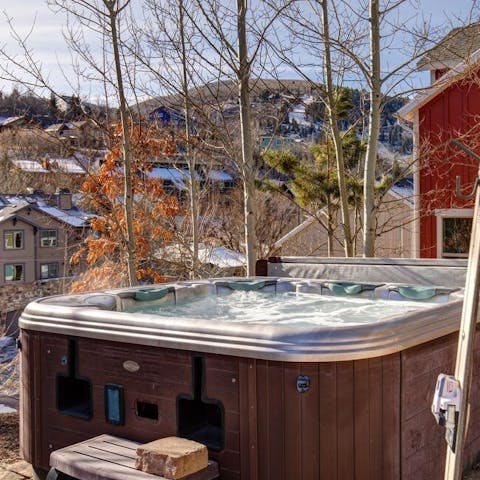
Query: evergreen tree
<point>313,181</point>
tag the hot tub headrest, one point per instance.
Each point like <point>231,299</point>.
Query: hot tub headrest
<point>415,292</point>
<point>245,285</point>
<point>150,294</point>
<point>348,288</point>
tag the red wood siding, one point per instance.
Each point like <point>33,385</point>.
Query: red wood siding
<point>454,113</point>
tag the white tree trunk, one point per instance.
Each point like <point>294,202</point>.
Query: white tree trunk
<point>127,150</point>
<point>369,209</point>
<point>336,136</point>
<point>248,170</point>
<point>193,185</point>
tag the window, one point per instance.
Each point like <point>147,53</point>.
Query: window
<point>49,270</point>
<point>454,228</point>
<point>14,272</point>
<point>14,239</point>
<point>48,238</point>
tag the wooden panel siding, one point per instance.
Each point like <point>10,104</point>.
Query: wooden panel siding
<point>361,420</point>
<point>336,430</point>
<point>163,375</point>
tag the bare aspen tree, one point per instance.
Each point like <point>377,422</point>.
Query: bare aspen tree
<point>104,17</point>
<point>193,184</point>
<point>243,75</point>
<point>169,47</point>
<point>374,132</point>
<point>313,54</point>
<point>236,37</point>
<point>381,26</point>
<point>114,8</point>
<point>335,133</point>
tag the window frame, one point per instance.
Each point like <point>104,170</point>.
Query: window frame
<point>13,231</point>
<point>48,230</point>
<point>49,264</point>
<point>441,214</point>
<point>18,264</point>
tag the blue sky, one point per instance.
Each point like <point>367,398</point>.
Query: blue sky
<point>50,49</point>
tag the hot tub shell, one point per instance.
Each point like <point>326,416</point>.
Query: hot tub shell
<point>365,413</point>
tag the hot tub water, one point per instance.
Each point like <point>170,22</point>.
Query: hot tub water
<point>287,308</point>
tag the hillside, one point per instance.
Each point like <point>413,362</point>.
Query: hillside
<point>297,106</point>
<point>300,108</point>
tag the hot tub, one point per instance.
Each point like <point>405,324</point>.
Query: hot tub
<point>246,367</point>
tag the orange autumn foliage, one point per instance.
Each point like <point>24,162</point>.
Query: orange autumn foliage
<point>153,213</point>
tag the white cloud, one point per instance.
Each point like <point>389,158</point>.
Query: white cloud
<point>49,47</point>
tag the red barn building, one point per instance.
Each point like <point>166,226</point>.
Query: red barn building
<point>445,117</point>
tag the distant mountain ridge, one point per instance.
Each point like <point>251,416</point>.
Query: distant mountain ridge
<point>286,95</point>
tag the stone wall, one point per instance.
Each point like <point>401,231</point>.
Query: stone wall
<point>14,298</point>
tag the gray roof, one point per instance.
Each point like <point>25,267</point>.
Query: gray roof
<point>13,121</point>
<point>459,44</point>
<point>29,166</point>
<point>10,211</point>
<point>404,189</point>
<point>55,127</point>
<point>73,217</point>
<point>68,165</point>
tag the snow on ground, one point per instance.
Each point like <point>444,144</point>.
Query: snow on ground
<point>8,349</point>
<point>9,373</point>
<point>6,409</point>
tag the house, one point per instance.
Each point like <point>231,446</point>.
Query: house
<point>60,130</point>
<point>15,122</point>
<point>87,133</point>
<point>167,116</point>
<point>394,229</point>
<point>39,232</point>
<point>445,120</point>
<point>277,143</point>
<point>458,45</point>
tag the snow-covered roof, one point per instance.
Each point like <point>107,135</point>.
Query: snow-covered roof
<point>177,176</point>
<point>308,99</point>
<point>221,257</point>
<point>404,189</point>
<point>68,165</point>
<point>13,120</point>
<point>218,256</point>
<point>29,166</point>
<point>219,176</point>
<point>73,217</point>
<point>58,126</point>
<point>10,211</point>
<point>12,204</point>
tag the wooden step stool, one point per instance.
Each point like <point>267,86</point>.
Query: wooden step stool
<point>108,458</point>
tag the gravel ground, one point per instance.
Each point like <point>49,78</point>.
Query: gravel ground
<point>9,438</point>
